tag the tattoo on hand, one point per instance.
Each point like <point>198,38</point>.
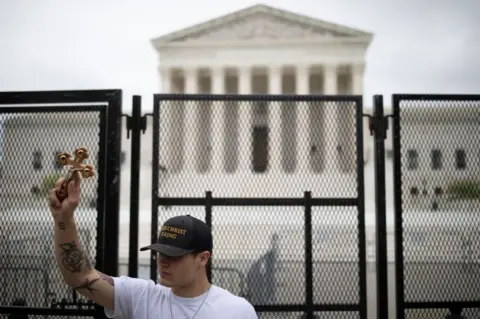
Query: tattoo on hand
<point>73,257</point>
<point>62,225</point>
<point>87,285</point>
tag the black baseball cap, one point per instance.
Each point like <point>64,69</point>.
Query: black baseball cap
<point>182,235</point>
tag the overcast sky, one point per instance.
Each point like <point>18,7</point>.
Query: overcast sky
<point>423,46</point>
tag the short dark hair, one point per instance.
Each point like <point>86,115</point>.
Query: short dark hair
<point>208,266</point>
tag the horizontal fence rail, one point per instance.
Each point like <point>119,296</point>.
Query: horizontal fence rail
<point>234,161</point>
<point>35,128</point>
<point>278,178</point>
<point>436,143</point>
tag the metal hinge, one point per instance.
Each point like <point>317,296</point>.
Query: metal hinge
<point>143,123</point>
<point>378,124</point>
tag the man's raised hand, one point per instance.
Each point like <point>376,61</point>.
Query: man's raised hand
<point>65,209</point>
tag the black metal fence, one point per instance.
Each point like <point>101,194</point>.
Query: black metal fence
<point>280,179</point>
<point>437,205</point>
<point>265,162</point>
<point>35,126</point>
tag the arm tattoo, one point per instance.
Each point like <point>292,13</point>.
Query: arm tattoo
<point>87,284</point>
<point>62,225</point>
<point>108,279</point>
<point>73,257</point>
<point>88,266</point>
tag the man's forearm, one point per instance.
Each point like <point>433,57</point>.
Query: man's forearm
<point>71,258</point>
<point>75,267</point>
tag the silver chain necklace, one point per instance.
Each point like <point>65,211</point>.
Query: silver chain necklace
<point>205,298</point>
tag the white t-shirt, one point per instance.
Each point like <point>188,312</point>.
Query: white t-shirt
<point>143,299</point>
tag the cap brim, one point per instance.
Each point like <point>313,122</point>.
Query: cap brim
<point>167,250</point>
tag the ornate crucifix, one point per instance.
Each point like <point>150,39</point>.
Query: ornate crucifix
<point>75,165</point>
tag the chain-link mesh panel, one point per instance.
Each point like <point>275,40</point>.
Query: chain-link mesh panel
<point>440,165</point>
<point>335,255</point>
<point>467,313</point>
<point>30,143</point>
<point>257,148</point>
<point>258,253</point>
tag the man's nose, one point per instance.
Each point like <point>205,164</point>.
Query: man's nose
<point>163,260</point>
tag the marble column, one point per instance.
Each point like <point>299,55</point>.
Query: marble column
<point>191,131</point>
<point>166,79</point>
<point>275,119</point>
<point>358,70</point>
<point>167,140</point>
<point>245,120</point>
<point>330,124</point>
<point>302,87</point>
<point>218,120</point>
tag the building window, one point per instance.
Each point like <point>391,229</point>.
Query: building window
<point>260,148</point>
<point>35,190</point>
<point>289,136</point>
<point>317,124</point>
<point>460,159</point>
<point>231,139</point>
<point>261,108</point>
<point>37,160</point>
<point>412,157</point>
<point>204,138</point>
<point>414,191</point>
<point>436,159</point>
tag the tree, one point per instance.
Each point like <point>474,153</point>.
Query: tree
<point>464,189</point>
<point>49,182</point>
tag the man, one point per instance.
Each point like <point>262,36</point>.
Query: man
<point>184,247</point>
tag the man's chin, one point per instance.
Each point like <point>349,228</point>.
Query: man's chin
<point>165,282</point>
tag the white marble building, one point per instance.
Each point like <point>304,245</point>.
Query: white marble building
<point>238,53</point>
<point>244,149</point>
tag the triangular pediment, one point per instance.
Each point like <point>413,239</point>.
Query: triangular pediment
<point>260,22</point>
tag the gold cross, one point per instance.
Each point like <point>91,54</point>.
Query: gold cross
<point>75,165</point>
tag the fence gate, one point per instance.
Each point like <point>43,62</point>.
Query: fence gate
<point>437,192</point>
<point>34,127</point>
<point>280,181</point>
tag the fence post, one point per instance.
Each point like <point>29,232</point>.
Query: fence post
<point>111,200</point>
<point>379,127</point>
<point>109,225</point>
<point>134,123</point>
<point>308,255</point>
<point>208,221</point>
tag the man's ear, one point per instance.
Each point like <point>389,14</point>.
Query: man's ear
<point>205,257</point>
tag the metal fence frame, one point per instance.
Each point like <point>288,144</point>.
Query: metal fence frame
<point>401,304</point>
<point>307,202</point>
<point>109,182</point>
<point>107,170</point>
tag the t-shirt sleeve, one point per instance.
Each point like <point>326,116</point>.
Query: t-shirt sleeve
<point>249,311</point>
<point>128,291</point>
